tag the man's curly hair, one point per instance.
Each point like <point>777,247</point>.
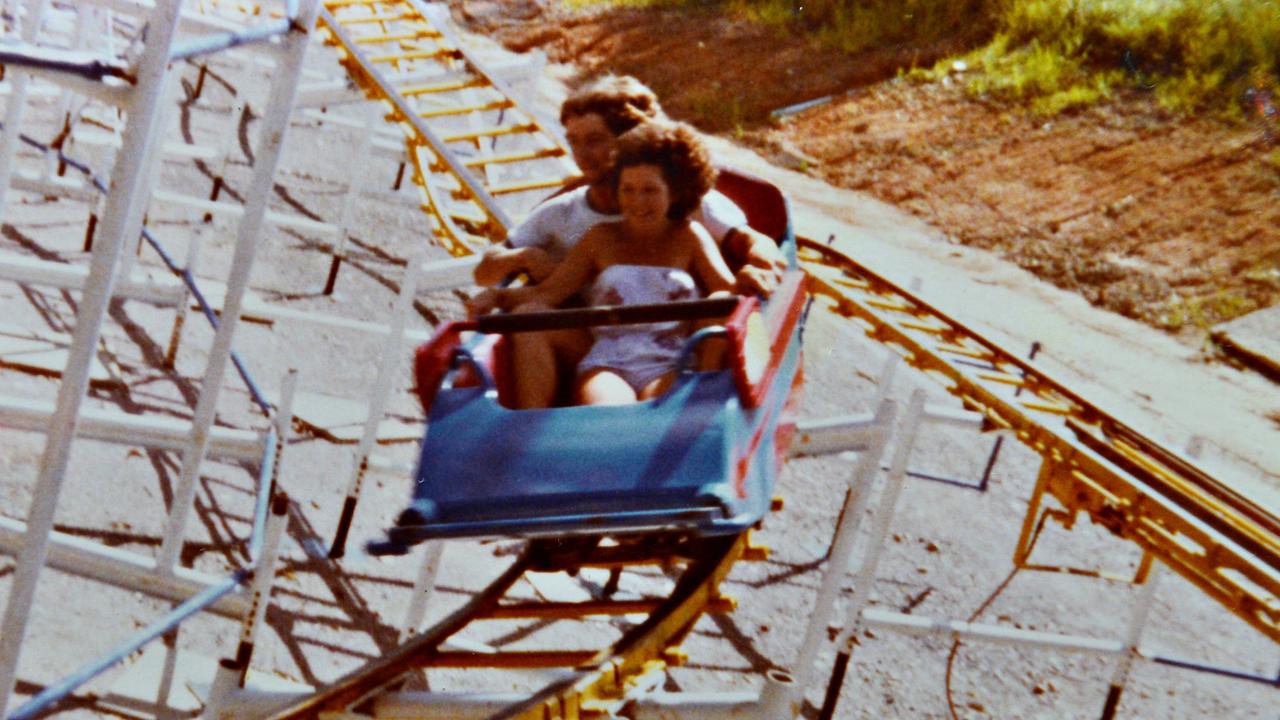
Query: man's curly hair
<point>675,149</point>
<point>620,100</point>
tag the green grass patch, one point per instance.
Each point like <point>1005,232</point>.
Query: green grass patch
<point>1191,54</point>
<point>1056,55</point>
<point>1206,311</point>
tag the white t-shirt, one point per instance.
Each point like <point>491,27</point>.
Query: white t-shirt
<point>560,222</point>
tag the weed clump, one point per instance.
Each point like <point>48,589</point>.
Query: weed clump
<point>1191,54</point>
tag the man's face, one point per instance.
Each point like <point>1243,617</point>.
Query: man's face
<point>591,143</point>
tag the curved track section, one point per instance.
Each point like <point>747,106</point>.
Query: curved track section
<point>1221,541</point>
<point>480,158</point>
<point>598,681</point>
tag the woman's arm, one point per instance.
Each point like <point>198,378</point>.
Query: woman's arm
<point>706,262</point>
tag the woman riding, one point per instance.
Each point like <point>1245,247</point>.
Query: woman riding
<point>655,253</point>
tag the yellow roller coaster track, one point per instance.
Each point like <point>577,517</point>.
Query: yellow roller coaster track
<point>600,680</point>
<point>1221,541</point>
<point>469,139</point>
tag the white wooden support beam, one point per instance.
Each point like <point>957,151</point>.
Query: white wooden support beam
<point>99,137</point>
<point>835,435</point>
<point>162,290</point>
<point>846,532</point>
<point>120,568</point>
<point>112,426</point>
<point>272,133</point>
<point>188,21</point>
<point>111,91</point>
<point>69,187</point>
<point>15,111</point>
<point>235,211</point>
<point>881,619</point>
<point>422,705</point>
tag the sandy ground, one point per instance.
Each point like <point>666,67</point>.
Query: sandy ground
<point>330,617</point>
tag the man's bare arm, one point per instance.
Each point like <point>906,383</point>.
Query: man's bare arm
<point>762,260</point>
<point>502,262</point>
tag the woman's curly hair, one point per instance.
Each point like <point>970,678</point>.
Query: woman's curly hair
<point>675,149</point>
<point>620,100</point>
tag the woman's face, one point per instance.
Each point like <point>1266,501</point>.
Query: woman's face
<point>644,196</point>
<point>591,143</point>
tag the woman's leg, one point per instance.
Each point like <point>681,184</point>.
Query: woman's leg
<point>538,357</point>
<point>657,386</point>
<point>533,359</point>
<point>604,387</point>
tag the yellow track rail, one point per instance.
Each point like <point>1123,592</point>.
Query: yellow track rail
<point>469,139</point>
<point>600,679</point>
<point>1213,536</point>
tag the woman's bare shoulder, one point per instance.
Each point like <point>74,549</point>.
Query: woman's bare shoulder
<point>694,234</point>
<point>602,232</point>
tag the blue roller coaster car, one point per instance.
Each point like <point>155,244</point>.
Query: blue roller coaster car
<point>701,458</point>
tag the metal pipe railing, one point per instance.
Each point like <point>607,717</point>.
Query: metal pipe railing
<point>78,63</point>
<point>226,41</point>
<point>53,694</point>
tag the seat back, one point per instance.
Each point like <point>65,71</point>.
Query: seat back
<point>764,204</point>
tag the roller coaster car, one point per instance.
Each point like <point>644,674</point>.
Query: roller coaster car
<point>701,458</point>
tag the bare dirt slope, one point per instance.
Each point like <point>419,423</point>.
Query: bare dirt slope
<point>1173,221</point>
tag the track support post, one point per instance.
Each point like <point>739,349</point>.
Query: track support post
<point>122,211</point>
<point>846,533</point>
<point>378,399</point>
<point>264,577</point>
<point>866,574</point>
<point>432,554</point>
<point>184,303</point>
<point>1124,663</point>
<point>372,120</point>
<point>275,125</point>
